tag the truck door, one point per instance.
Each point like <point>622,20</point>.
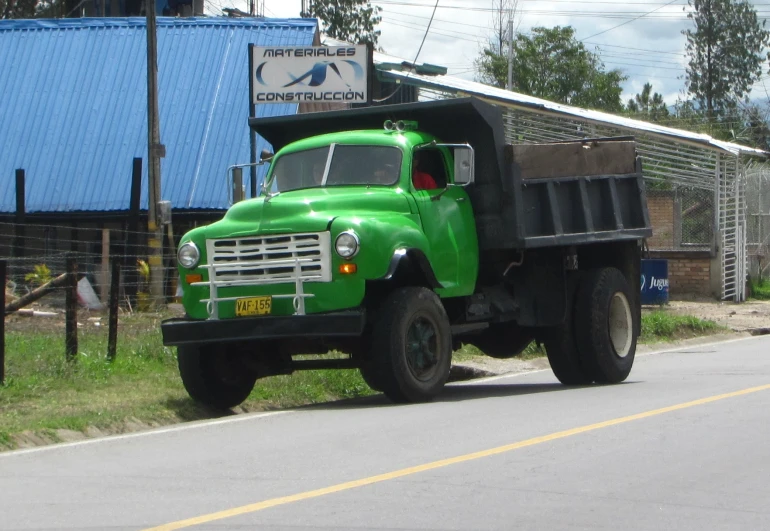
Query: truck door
<point>448,223</point>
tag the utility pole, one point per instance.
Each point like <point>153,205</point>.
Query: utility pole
<point>509,86</point>
<point>155,150</point>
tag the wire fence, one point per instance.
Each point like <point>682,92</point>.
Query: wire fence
<point>758,219</point>
<point>36,252</point>
<point>74,294</point>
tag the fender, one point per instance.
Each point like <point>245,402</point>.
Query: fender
<point>409,257</point>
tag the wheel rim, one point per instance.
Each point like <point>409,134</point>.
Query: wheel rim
<point>422,348</point>
<point>621,325</point>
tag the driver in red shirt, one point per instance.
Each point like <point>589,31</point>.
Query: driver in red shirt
<point>421,179</point>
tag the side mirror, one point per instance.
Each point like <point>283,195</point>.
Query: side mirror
<point>239,194</point>
<point>464,165</point>
<point>266,155</point>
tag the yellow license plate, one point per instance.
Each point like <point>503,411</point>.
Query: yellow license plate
<point>253,306</point>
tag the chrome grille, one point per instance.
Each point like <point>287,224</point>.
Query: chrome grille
<point>270,259</point>
<point>260,260</point>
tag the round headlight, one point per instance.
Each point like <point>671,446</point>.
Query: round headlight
<point>346,245</point>
<point>188,255</point>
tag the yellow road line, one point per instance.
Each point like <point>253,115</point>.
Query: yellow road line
<point>259,506</point>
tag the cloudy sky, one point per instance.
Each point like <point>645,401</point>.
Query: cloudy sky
<point>640,37</point>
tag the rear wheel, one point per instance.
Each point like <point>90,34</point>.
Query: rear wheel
<point>502,340</point>
<point>412,345</point>
<point>215,375</point>
<point>607,326</point>
<point>561,347</point>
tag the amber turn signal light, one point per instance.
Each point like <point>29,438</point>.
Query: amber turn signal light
<point>348,269</point>
<point>192,279</point>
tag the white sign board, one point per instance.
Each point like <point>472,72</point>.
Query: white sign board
<point>309,74</point>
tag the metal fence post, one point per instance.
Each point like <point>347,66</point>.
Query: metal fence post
<point>19,239</point>
<point>71,329</point>
<point>2,322</point>
<point>112,341</point>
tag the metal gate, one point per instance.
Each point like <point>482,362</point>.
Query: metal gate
<point>758,219</point>
<point>730,178</point>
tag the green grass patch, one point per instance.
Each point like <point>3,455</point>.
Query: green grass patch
<point>43,392</point>
<point>660,325</point>
<point>470,352</point>
<point>760,289</point>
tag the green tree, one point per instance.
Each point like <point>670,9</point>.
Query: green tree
<point>757,129</point>
<point>552,64</point>
<point>17,9</point>
<point>40,8</point>
<point>648,105</point>
<point>725,53</point>
<point>347,20</point>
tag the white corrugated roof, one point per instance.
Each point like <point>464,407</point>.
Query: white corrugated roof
<point>473,88</point>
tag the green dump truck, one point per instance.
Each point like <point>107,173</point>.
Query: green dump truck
<point>347,249</point>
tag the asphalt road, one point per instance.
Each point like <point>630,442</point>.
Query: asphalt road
<point>684,444</point>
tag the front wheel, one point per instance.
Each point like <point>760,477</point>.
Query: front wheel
<point>215,375</point>
<point>412,345</point>
<point>606,325</point>
<point>370,376</point>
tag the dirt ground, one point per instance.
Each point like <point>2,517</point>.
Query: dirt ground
<point>739,317</point>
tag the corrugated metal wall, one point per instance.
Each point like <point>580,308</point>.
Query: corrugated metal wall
<point>73,107</point>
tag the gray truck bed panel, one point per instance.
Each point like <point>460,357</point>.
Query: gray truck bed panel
<point>579,192</point>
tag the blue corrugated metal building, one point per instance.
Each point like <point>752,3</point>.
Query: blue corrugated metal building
<point>73,111</point>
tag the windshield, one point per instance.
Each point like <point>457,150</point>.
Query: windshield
<point>349,165</point>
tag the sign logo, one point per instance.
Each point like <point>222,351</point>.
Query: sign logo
<point>655,283</point>
<point>317,74</point>
<point>294,75</point>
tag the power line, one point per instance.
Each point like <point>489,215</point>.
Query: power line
<point>628,21</point>
<point>427,30</point>
<point>435,32</point>
<point>629,48</point>
<point>457,35</point>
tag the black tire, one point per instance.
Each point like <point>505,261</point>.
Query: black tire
<point>607,325</point>
<point>561,347</point>
<point>502,341</point>
<point>412,345</point>
<point>370,376</point>
<point>215,375</point>
<point>361,352</point>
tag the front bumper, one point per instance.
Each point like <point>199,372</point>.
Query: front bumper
<point>181,331</point>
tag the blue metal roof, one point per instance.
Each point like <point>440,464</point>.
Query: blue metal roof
<point>73,112</point>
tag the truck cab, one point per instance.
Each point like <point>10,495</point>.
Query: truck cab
<point>335,211</point>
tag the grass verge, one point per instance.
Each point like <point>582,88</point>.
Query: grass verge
<point>660,325</point>
<point>760,289</point>
<point>44,396</point>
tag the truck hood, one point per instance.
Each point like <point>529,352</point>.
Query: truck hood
<point>307,210</point>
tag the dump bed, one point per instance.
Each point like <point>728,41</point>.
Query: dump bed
<point>524,196</point>
<point>578,191</point>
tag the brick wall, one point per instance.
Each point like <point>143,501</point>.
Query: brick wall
<point>661,207</point>
<point>689,272</point>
